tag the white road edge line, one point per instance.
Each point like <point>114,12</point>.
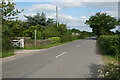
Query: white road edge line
<point>60,54</point>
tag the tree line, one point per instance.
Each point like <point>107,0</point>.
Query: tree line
<point>46,27</point>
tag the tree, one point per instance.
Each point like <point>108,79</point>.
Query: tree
<point>50,21</point>
<point>9,13</point>
<point>31,32</point>
<point>75,30</point>
<point>50,32</point>
<point>117,32</point>
<point>62,29</point>
<point>39,19</point>
<point>101,23</point>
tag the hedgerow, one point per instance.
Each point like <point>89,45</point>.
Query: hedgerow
<point>109,45</point>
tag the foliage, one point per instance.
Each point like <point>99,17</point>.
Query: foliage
<point>110,45</point>
<point>66,37</point>
<point>62,29</point>
<point>55,39</point>
<point>6,43</point>
<point>76,37</point>
<point>117,32</point>
<point>31,32</point>
<point>39,19</point>
<point>101,23</point>
<point>75,30</point>
<point>111,71</point>
<point>8,13</point>
<point>6,54</point>
<point>50,32</point>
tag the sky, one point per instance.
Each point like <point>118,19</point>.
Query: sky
<point>72,13</point>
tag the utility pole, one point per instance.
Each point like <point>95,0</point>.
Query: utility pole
<point>35,37</point>
<point>57,16</point>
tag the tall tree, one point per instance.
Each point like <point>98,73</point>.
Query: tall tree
<point>9,12</point>
<point>38,19</point>
<point>101,23</point>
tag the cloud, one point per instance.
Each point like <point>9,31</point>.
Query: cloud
<point>72,22</point>
<point>112,13</point>
<point>21,16</point>
<point>67,0</point>
<point>94,5</point>
<point>42,8</point>
<point>69,20</point>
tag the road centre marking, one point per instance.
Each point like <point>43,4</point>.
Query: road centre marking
<point>61,54</point>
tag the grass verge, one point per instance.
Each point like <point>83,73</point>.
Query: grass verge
<point>109,60</point>
<point>6,54</point>
<point>45,46</point>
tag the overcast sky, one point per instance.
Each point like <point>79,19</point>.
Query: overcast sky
<point>72,12</point>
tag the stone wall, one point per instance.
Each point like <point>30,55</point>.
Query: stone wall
<point>39,43</point>
<point>28,42</point>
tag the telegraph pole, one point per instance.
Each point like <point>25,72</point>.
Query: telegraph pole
<point>57,16</point>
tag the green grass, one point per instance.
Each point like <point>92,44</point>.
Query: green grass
<point>6,54</point>
<point>109,59</point>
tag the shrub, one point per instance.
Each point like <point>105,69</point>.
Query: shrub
<point>50,32</point>
<point>109,44</point>
<point>6,43</point>
<point>75,37</point>
<point>66,37</point>
<point>55,39</point>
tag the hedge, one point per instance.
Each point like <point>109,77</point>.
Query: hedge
<point>109,44</point>
<point>55,39</point>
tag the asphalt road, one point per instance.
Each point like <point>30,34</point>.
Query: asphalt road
<point>78,59</point>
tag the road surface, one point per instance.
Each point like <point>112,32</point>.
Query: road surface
<point>78,59</point>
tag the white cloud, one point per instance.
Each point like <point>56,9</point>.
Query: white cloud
<point>70,21</point>
<point>94,5</point>
<point>112,13</point>
<point>67,0</point>
<point>21,16</point>
<point>42,8</point>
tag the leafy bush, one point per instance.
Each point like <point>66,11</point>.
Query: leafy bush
<point>66,37</point>
<point>75,37</point>
<point>55,39</point>
<point>109,44</point>
<point>6,43</point>
<point>50,32</point>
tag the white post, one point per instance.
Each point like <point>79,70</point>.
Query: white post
<point>22,43</point>
<point>35,37</point>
